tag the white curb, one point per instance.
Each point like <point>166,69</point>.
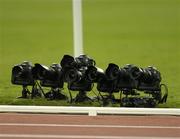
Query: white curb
<point>91,111</point>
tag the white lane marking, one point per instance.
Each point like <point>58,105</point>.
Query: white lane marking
<point>89,126</point>
<point>79,136</point>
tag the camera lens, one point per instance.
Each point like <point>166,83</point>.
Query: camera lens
<point>112,71</point>
<point>17,70</point>
<point>91,73</point>
<point>72,75</point>
<point>135,72</point>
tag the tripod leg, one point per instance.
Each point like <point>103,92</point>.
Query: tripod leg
<point>36,92</point>
<point>82,97</point>
<point>25,92</point>
<point>59,95</point>
<point>71,99</point>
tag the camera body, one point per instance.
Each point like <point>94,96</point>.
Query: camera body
<point>107,80</point>
<point>148,79</point>
<point>22,74</point>
<point>125,80</point>
<point>116,79</point>
<point>104,84</point>
<point>49,76</point>
<point>77,72</point>
<point>78,80</point>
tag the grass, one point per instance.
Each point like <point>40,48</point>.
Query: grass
<point>120,31</point>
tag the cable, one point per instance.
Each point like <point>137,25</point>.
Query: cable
<point>164,98</point>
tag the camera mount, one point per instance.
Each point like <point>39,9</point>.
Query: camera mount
<point>55,93</point>
<point>25,92</point>
<point>35,92</point>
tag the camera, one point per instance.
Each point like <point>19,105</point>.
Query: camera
<point>50,77</point>
<point>148,78</point>
<point>107,83</point>
<point>78,75</point>
<point>22,75</point>
<point>121,76</point>
<point>149,81</point>
<point>116,79</point>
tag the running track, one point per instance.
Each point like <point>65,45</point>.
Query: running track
<point>54,126</point>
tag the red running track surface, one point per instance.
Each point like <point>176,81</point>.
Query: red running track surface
<point>53,126</point>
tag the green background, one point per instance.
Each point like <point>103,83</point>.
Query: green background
<point>141,32</point>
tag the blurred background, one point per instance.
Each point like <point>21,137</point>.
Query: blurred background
<point>121,31</point>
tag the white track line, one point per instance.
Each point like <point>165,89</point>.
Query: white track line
<point>89,126</point>
<point>79,136</point>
